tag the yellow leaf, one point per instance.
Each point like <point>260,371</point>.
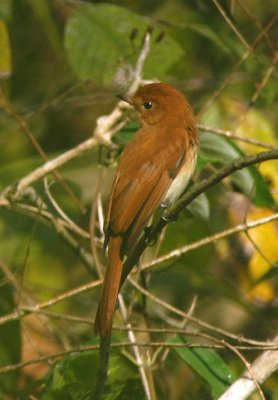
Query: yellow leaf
<point>5,51</point>
<point>259,250</point>
<point>266,239</point>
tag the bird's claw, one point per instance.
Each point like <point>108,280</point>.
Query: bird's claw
<point>169,218</point>
<point>150,241</point>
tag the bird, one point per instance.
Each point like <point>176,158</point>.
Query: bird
<point>153,171</point>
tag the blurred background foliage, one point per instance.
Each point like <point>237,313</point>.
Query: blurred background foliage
<point>61,63</point>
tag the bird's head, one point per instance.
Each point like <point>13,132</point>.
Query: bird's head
<point>159,103</point>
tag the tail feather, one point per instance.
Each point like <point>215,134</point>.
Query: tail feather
<point>110,289</point>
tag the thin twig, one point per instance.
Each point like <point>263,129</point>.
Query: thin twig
<point>95,208</point>
<point>26,130</point>
<point>139,359</point>
<point>191,318</point>
<point>63,296</point>
<point>103,133</point>
<point>230,23</point>
<point>233,135</point>
<point>242,5</point>
<point>81,349</point>
<point>210,239</point>
<point>259,87</point>
<point>138,72</point>
<point>271,345</point>
<point>73,226</point>
<point>12,279</point>
<point>244,57</point>
<point>248,367</point>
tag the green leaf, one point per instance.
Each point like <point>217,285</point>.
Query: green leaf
<point>97,40</point>
<point>5,53</point>
<point>73,377</point>
<point>207,364</point>
<point>218,150</point>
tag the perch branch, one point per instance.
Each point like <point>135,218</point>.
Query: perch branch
<point>198,188</point>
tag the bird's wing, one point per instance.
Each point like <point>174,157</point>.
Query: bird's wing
<point>151,202</point>
<point>140,186</point>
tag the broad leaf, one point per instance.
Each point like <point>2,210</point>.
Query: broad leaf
<point>98,43</point>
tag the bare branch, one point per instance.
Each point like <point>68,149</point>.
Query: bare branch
<point>200,323</point>
<point>261,369</point>
<point>232,135</point>
<point>47,168</point>
<point>27,131</point>
<point>138,72</point>
<point>139,358</point>
<point>230,23</point>
<point>81,349</point>
<point>210,239</point>
<point>248,368</point>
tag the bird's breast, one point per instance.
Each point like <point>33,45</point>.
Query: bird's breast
<point>182,178</point>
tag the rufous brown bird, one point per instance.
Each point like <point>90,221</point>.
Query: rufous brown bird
<point>154,169</point>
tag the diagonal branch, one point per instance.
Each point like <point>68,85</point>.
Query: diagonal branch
<point>197,189</point>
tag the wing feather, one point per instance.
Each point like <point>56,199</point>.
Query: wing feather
<point>128,202</point>
<point>143,215</point>
<point>142,181</point>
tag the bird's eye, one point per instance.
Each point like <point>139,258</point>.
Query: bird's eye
<point>148,105</point>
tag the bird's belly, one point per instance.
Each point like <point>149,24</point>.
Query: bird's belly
<point>181,181</point>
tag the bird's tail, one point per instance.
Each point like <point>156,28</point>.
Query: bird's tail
<point>110,289</point>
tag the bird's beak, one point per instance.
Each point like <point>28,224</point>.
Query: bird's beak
<point>125,97</point>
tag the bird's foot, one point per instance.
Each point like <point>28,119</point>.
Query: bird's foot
<point>169,218</point>
<point>150,240</point>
